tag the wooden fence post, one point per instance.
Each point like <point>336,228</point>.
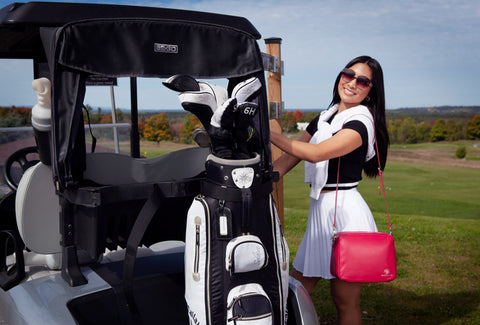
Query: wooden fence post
<point>274,89</point>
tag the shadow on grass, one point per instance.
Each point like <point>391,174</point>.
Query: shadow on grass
<point>384,304</point>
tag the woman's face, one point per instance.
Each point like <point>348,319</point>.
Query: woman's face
<point>350,93</point>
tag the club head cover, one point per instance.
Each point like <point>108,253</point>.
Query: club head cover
<point>219,93</point>
<point>244,114</point>
<point>182,83</point>
<point>247,90</point>
<point>243,131</point>
<point>224,116</point>
<point>221,141</point>
<point>204,102</point>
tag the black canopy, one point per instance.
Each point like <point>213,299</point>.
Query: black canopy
<point>20,22</point>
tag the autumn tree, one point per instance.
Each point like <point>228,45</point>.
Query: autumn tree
<point>157,128</point>
<point>472,131</point>
<point>191,123</point>
<point>141,127</point>
<point>289,122</point>
<point>298,115</point>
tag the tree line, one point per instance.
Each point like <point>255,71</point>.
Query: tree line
<point>413,127</point>
<point>404,126</point>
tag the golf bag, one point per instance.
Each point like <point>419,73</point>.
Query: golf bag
<point>236,257</point>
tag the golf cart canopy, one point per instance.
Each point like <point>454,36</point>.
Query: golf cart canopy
<point>81,40</point>
<point>20,22</point>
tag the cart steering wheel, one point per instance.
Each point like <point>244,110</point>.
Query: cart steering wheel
<point>18,163</point>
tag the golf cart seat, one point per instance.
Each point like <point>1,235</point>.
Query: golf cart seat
<point>38,208</point>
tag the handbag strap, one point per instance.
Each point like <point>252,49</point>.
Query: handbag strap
<point>382,186</point>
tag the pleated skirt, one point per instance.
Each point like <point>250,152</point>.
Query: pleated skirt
<point>353,214</point>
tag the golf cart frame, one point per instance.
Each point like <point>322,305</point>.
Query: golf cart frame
<point>112,201</point>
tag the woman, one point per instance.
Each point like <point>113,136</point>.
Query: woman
<point>347,130</point>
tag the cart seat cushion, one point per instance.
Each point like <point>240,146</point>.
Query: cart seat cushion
<point>37,210</point>
<point>115,169</point>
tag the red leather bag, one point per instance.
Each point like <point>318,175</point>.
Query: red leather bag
<point>363,256</point>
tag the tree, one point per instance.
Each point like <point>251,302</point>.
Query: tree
<point>473,128</point>
<point>191,123</point>
<point>289,122</point>
<point>408,131</point>
<point>157,128</point>
<point>393,125</point>
<point>423,132</point>
<point>453,131</point>
<point>439,131</point>
<point>298,115</point>
<point>141,127</point>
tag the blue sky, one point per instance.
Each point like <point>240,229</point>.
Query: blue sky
<point>429,50</point>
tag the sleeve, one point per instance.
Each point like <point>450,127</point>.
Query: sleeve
<point>312,126</point>
<point>358,126</point>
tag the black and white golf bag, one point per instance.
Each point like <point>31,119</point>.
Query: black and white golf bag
<point>236,257</point>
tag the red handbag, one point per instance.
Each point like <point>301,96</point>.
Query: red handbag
<point>363,256</point>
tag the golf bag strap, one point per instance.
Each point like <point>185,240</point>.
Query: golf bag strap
<point>246,207</point>
<point>221,192</point>
<point>146,214</point>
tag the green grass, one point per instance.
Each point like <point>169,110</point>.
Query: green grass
<point>435,212</point>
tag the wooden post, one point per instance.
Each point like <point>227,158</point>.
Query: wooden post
<point>274,89</point>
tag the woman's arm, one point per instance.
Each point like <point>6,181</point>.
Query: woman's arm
<point>286,162</point>
<point>342,143</point>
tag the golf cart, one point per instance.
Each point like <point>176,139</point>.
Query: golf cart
<point>97,238</point>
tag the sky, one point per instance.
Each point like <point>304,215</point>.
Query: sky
<point>429,51</point>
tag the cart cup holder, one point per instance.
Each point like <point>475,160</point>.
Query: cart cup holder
<point>11,275</point>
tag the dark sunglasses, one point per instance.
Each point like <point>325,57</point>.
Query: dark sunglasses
<point>362,81</point>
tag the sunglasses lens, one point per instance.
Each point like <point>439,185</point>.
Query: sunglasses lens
<point>348,75</point>
<point>363,82</point>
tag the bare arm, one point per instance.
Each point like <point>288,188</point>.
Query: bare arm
<point>342,143</point>
<point>286,162</point>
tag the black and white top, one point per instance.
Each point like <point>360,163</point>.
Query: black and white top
<point>351,165</point>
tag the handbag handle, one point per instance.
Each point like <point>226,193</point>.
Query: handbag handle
<point>380,173</point>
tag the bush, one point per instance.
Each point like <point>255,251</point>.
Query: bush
<point>461,152</point>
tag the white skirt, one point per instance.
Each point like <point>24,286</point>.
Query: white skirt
<point>353,214</point>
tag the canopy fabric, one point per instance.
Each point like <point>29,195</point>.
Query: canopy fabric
<point>126,48</point>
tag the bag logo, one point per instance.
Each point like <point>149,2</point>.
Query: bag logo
<point>386,273</point>
<point>243,177</point>
<point>165,48</point>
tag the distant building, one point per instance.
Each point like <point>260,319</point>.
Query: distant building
<point>302,126</point>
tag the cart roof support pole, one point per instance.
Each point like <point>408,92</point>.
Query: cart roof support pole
<point>274,88</point>
<point>134,136</point>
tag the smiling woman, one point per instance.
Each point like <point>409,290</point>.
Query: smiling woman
<point>348,132</point>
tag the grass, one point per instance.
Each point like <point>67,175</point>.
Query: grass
<point>436,224</point>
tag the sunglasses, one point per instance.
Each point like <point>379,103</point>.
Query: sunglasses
<point>362,81</point>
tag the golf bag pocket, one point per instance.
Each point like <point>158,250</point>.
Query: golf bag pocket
<point>248,304</point>
<point>196,249</point>
<point>245,254</point>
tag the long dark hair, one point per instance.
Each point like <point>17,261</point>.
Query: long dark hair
<point>375,101</point>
